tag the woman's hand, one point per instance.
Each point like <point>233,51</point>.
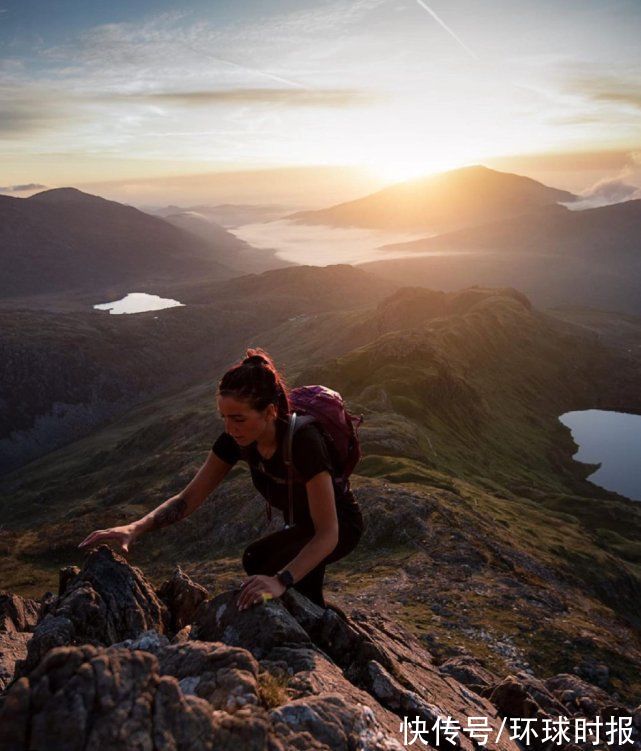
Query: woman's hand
<point>123,537</point>
<point>258,589</point>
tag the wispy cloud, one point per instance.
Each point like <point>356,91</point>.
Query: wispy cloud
<point>608,89</point>
<point>440,21</point>
<point>624,184</point>
<point>290,97</point>
<point>27,112</point>
<point>21,188</point>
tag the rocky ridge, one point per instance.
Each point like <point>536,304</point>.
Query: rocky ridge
<point>111,663</point>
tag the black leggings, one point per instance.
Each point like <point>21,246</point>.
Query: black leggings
<point>271,553</point>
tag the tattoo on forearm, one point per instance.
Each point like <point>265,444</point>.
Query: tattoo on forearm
<point>169,513</point>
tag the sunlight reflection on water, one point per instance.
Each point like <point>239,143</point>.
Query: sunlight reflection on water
<point>138,302</point>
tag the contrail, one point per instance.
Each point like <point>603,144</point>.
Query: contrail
<point>255,71</point>
<point>447,28</point>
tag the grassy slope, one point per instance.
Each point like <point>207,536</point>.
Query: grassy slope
<point>481,532</point>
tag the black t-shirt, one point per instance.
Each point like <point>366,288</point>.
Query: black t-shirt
<point>310,456</point>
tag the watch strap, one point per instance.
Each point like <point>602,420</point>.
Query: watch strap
<point>285,578</point>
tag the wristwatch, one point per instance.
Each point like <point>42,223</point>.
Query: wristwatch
<point>285,578</point>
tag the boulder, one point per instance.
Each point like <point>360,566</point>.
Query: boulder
<point>17,613</point>
<point>86,697</point>
<point>108,601</point>
<point>468,671</point>
<point>182,597</point>
<point>577,694</point>
<point>13,649</point>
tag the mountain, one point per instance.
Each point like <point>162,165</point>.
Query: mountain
<point>609,233</point>
<point>63,239</point>
<point>228,215</point>
<point>590,258</point>
<point>483,536</point>
<point>229,249</point>
<point>64,374</point>
<point>441,203</point>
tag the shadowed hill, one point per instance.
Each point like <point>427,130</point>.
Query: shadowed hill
<point>588,258</point>
<point>64,239</point>
<point>441,203</point>
<point>64,374</point>
<point>609,234</point>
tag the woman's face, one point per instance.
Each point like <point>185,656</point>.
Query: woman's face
<point>244,424</point>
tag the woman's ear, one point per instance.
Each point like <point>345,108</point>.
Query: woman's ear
<point>272,412</point>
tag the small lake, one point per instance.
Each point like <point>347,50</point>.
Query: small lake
<point>138,302</point>
<point>614,439</point>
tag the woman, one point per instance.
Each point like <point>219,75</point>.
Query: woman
<point>327,522</point>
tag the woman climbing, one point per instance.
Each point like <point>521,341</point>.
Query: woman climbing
<point>326,521</point>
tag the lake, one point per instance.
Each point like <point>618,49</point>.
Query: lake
<point>614,439</point>
<point>138,302</point>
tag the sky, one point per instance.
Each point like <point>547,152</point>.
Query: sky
<point>143,93</point>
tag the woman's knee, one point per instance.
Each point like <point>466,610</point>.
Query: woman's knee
<point>251,561</point>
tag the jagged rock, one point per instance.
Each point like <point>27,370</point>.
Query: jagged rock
<point>512,699</point>
<point>17,613</point>
<point>391,665</point>
<point>538,691</point>
<point>13,649</point>
<point>182,636</point>
<point>107,602</point>
<point>469,672</point>
<point>115,699</point>
<point>182,596</point>
<point>65,576</point>
<point>109,699</point>
<point>224,676</point>
<point>52,631</point>
<point>148,641</point>
<point>334,724</point>
<point>577,694</point>
<point>270,632</point>
<point>259,629</point>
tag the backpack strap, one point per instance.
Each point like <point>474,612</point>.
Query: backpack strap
<point>295,423</point>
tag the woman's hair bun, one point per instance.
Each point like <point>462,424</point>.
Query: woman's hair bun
<point>255,360</point>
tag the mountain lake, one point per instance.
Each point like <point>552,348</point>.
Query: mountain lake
<point>614,439</point>
<point>138,302</point>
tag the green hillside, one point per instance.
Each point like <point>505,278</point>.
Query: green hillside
<point>482,533</point>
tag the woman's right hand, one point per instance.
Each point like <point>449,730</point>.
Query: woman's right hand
<point>123,537</point>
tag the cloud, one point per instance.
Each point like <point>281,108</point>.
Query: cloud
<point>290,97</point>
<point>607,191</point>
<point>28,110</point>
<point>608,89</point>
<point>21,188</point>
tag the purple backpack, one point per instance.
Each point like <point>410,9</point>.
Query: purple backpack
<point>326,408</point>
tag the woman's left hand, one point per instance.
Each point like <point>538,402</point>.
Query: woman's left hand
<point>258,589</point>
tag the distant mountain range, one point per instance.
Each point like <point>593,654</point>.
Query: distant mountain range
<point>441,203</point>
<point>556,256</point>
<point>228,215</point>
<point>64,239</point>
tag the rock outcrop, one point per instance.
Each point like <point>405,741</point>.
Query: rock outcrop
<point>111,667</point>
<point>107,601</point>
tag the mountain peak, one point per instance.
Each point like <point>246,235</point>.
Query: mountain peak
<point>65,195</point>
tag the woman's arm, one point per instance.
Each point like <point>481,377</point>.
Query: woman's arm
<point>322,507</point>
<point>208,477</point>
